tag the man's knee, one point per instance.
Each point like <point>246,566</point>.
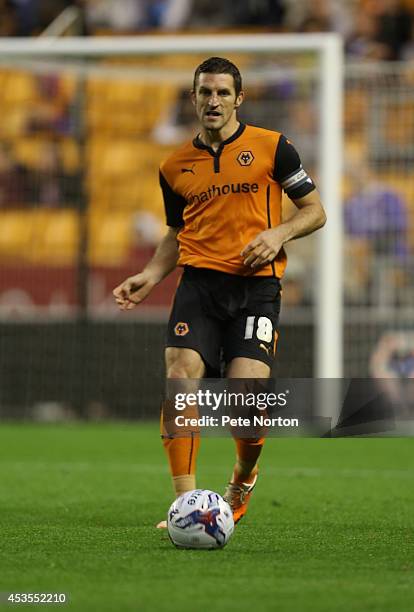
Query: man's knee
<point>244,367</point>
<point>183,363</point>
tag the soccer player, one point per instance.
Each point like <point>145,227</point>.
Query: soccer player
<point>222,193</point>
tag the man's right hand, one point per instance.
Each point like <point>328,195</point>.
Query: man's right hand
<point>134,290</point>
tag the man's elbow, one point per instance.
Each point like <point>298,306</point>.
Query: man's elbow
<point>318,217</point>
<point>322,218</point>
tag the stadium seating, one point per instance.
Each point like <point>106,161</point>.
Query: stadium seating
<point>122,174</point>
<point>110,238</point>
<point>60,238</point>
<point>15,235</point>
<point>126,107</point>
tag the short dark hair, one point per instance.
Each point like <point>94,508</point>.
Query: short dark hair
<point>219,65</point>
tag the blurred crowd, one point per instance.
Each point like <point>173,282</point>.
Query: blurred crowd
<point>372,29</point>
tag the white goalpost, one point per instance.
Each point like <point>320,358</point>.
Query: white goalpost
<point>328,355</point>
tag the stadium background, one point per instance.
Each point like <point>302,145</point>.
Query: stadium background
<point>80,208</point>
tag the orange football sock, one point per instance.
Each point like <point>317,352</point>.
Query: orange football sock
<point>248,452</point>
<point>181,446</point>
<point>182,454</point>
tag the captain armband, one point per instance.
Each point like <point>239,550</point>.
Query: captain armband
<point>298,184</point>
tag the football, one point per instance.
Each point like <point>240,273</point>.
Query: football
<point>200,519</point>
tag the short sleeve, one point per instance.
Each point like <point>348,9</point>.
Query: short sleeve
<point>174,204</point>
<point>289,172</point>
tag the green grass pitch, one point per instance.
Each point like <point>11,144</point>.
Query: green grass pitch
<point>330,527</point>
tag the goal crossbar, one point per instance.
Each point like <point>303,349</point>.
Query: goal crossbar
<point>77,46</point>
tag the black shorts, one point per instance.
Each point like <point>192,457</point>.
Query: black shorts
<point>223,316</point>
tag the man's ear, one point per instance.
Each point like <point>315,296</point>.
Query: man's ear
<point>239,99</point>
<point>193,96</point>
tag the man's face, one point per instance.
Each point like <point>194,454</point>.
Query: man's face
<point>215,100</point>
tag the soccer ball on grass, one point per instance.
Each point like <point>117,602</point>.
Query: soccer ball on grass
<point>200,519</point>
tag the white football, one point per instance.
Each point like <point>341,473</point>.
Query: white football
<point>200,519</point>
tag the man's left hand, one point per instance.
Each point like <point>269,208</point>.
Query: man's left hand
<point>264,248</point>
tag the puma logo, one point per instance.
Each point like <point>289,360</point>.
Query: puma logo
<point>265,348</point>
<point>188,169</point>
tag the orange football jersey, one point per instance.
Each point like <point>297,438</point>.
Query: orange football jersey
<point>223,199</point>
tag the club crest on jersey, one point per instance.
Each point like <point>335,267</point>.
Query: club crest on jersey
<point>181,329</point>
<point>245,158</point>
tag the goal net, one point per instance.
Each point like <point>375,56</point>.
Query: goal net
<point>378,221</point>
<point>85,126</point>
